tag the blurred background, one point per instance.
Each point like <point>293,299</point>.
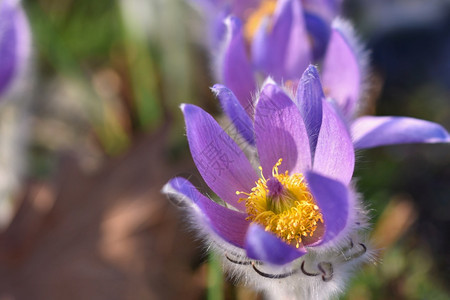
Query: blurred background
<point>85,150</point>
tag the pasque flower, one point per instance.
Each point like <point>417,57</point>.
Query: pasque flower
<point>290,211</point>
<point>283,44</point>
<point>14,43</point>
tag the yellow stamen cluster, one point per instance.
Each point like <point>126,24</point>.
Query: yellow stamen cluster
<point>291,215</point>
<point>266,8</point>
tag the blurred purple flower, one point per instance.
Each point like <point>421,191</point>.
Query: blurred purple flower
<point>253,10</point>
<point>14,43</point>
<point>300,211</point>
<point>284,45</point>
<point>281,49</point>
<point>280,38</point>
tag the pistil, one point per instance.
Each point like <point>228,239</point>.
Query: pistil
<point>284,205</point>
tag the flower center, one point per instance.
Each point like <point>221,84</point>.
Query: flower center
<point>284,205</point>
<point>266,8</point>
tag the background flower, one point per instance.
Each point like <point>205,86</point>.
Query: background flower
<point>280,39</point>
<point>215,10</point>
<point>284,46</point>
<point>15,44</point>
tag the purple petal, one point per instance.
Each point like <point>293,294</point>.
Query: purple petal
<point>319,31</point>
<point>264,246</point>
<point>218,28</point>
<point>334,156</point>
<point>235,112</point>
<point>332,197</point>
<point>223,166</point>
<point>341,75</point>
<point>369,132</point>
<point>14,41</point>
<point>280,132</point>
<point>284,52</point>
<point>228,224</point>
<point>236,69</point>
<point>260,47</point>
<point>309,101</point>
<point>327,9</point>
<point>7,47</point>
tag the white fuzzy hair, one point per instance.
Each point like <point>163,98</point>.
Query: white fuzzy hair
<point>343,255</point>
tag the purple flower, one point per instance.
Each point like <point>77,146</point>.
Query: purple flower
<point>279,39</point>
<point>253,10</point>
<point>299,210</point>
<point>14,43</point>
<point>284,45</point>
<point>304,21</point>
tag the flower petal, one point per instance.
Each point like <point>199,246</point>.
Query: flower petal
<point>216,23</point>
<point>264,246</point>
<point>7,47</point>
<point>332,197</point>
<point>236,70</point>
<point>369,132</point>
<point>284,51</point>
<point>235,112</point>
<point>223,166</point>
<point>334,156</point>
<point>327,9</point>
<point>260,47</point>
<point>280,132</point>
<point>309,100</point>
<point>341,75</point>
<point>14,42</point>
<point>228,224</point>
<point>319,31</point>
